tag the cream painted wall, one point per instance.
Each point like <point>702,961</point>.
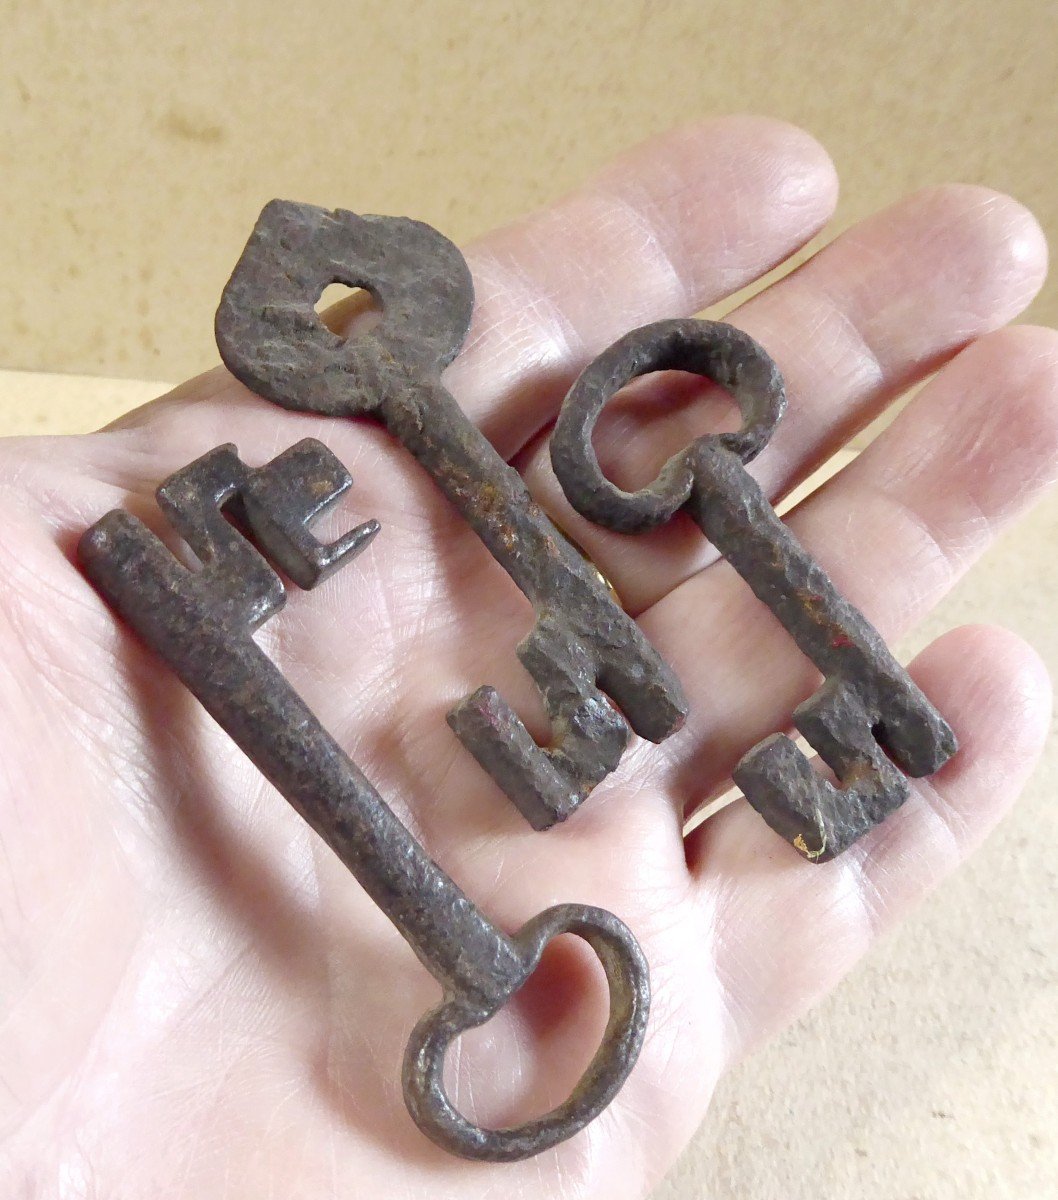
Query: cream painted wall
<point>138,141</point>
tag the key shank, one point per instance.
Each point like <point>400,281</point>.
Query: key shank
<point>868,712</point>
<point>200,623</point>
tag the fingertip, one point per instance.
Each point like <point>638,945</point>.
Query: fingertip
<point>801,162</point>
<point>996,691</point>
<point>998,245</point>
<point>1026,243</point>
<point>782,169</point>
<point>790,155</point>
<point>1022,361</point>
<point>978,445</point>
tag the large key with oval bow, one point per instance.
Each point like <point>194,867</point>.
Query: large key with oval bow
<point>583,647</point>
<point>869,722</point>
<point>201,623</point>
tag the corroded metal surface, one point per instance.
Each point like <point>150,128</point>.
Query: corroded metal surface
<point>583,651</point>
<point>868,719</point>
<point>201,622</point>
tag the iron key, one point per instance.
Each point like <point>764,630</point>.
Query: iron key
<point>583,647</point>
<point>869,718</point>
<point>200,622</point>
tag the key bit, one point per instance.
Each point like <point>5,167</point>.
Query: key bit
<point>201,623</point>
<point>869,718</point>
<point>584,651</point>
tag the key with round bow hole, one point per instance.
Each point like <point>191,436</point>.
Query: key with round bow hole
<point>868,722</point>
<point>201,623</point>
<point>583,650</point>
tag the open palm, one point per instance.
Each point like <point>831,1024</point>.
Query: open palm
<point>196,1000</point>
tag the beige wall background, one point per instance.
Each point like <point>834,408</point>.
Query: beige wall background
<point>139,141</point>
<point>137,144</point>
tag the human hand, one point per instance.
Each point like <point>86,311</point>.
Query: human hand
<point>197,1000</point>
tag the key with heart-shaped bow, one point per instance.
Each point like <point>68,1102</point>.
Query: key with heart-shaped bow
<point>583,650</point>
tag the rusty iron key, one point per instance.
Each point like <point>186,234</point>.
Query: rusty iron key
<point>868,722</point>
<point>201,623</point>
<point>583,647</point>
